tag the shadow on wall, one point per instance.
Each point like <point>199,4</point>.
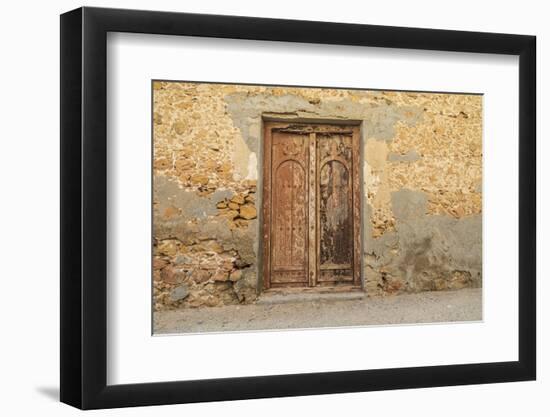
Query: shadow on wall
<point>51,392</point>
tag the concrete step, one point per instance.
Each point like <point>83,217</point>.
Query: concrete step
<point>280,297</point>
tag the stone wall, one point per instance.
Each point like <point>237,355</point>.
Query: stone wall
<point>422,173</point>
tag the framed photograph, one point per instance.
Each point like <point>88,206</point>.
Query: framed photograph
<point>259,208</point>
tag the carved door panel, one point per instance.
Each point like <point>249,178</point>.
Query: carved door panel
<point>311,214</point>
<point>335,231</point>
<point>289,215</point>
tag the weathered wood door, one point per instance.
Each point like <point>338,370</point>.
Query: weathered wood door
<point>311,213</point>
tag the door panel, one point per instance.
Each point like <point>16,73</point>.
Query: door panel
<point>289,209</point>
<point>335,209</point>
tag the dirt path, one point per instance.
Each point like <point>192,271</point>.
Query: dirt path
<point>429,307</point>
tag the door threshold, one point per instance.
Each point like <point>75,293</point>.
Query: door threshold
<point>296,295</point>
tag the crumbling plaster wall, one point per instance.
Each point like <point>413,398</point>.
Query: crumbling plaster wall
<point>421,174</point>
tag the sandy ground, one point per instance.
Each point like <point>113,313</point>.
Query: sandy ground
<point>428,307</point>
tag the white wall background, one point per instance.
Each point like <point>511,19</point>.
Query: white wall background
<point>29,167</point>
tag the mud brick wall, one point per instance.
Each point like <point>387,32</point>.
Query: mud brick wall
<point>422,176</point>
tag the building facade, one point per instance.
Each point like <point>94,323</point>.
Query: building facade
<point>260,188</point>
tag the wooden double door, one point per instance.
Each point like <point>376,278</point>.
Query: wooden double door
<point>311,211</point>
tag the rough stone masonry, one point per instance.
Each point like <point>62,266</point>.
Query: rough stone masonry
<point>422,176</point>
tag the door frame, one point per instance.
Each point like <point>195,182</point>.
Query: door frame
<point>324,125</point>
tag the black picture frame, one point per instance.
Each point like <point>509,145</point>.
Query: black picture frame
<point>84,207</point>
